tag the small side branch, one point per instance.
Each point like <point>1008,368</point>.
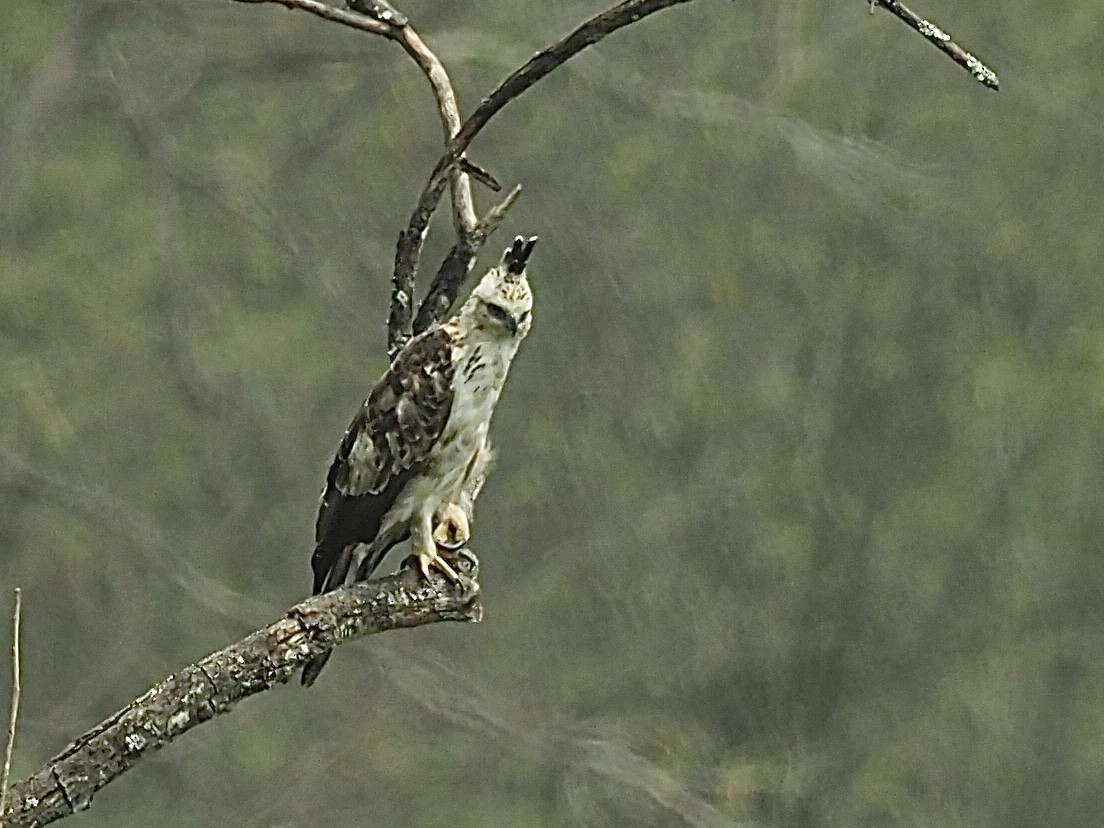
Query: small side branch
<point>942,41</point>
<point>13,718</point>
<point>211,687</point>
<point>353,19</point>
<point>457,264</point>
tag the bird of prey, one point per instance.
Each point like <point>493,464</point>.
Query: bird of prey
<point>415,454</point>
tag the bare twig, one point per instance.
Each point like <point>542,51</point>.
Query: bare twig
<point>379,9</point>
<point>16,685</point>
<point>942,41</point>
<point>379,17</point>
<point>211,687</point>
<point>464,207</point>
<point>402,292</point>
<point>353,19</point>
<point>409,248</point>
<point>481,175</point>
<point>457,264</point>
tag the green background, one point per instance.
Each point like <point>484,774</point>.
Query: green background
<point>799,502</point>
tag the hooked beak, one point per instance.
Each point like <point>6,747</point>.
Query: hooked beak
<point>513,323</point>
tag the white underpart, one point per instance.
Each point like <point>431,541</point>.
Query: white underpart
<point>481,363</point>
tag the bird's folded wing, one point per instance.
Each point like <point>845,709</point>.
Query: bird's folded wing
<point>395,428</point>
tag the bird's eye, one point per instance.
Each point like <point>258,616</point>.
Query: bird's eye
<point>497,311</point>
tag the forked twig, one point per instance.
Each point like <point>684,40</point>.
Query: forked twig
<point>16,684</point>
<point>942,41</point>
<point>545,61</point>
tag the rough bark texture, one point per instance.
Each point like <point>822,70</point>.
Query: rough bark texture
<point>210,687</point>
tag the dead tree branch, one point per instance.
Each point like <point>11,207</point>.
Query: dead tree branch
<point>541,64</point>
<point>211,687</point>
<point>942,41</point>
<point>353,19</point>
<point>380,18</point>
<point>457,264</point>
<point>409,248</point>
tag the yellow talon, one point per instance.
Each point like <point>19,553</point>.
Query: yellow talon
<point>425,560</point>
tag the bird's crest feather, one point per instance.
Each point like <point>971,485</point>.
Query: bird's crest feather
<point>517,255</point>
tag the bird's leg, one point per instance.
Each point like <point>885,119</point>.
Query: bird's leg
<point>427,548</point>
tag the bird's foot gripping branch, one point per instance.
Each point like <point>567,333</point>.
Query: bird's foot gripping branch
<point>404,599</point>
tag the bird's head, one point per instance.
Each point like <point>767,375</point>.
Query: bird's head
<point>502,301</point>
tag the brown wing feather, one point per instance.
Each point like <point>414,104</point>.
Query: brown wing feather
<point>387,443</point>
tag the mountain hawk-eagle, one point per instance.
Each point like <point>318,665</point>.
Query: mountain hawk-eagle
<point>415,452</point>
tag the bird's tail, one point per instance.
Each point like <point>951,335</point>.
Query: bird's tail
<point>313,667</point>
<point>335,577</point>
<point>331,568</point>
<point>373,557</point>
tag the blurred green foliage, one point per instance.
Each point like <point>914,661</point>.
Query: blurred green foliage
<point>797,514</point>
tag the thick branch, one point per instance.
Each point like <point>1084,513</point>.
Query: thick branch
<point>543,62</point>
<point>210,687</point>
